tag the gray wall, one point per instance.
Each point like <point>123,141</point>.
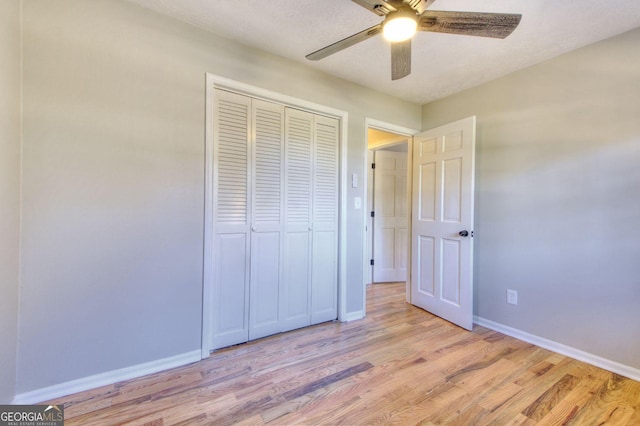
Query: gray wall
<point>557,197</point>
<point>9,193</point>
<point>114,180</point>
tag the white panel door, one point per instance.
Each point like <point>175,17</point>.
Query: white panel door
<point>390,239</point>
<point>231,219</point>
<point>442,221</point>
<point>266,224</point>
<point>324,275</point>
<point>295,303</point>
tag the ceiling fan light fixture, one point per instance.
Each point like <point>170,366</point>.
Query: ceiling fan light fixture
<point>400,25</point>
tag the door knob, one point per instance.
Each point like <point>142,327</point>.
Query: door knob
<point>464,233</point>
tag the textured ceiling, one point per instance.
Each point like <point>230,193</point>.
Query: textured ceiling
<point>443,64</point>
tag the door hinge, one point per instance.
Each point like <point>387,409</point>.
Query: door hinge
<point>371,262</point>
<point>373,165</point>
<point>373,214</point>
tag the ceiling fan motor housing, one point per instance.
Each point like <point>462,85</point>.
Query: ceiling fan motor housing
<point>400,25</point>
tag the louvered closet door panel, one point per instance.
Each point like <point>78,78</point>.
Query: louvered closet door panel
<point>295,300</point>
<point>324,278</point>
<point>266,223</point>
<point>231,213</point>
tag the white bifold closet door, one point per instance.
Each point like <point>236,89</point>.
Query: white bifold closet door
<point>275,215</point>
<point>231,219</point>
<point>267,121</point>
<point>296,296</point>
<point>324,227</point>
<point>311,220</point>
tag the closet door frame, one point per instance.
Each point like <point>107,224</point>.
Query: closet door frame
<point>213,82</point>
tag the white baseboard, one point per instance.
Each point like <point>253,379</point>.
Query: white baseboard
<point>607,364</point>
<point>104,379</point>
<point>352,316</point>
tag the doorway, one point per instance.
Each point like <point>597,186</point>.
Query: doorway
<point>441,169</point>
<point>387,201</point>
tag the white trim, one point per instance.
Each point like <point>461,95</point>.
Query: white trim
<point>410,210</point>
<point>207,272</point>
<point>389,127</point>
<point>372,123</point>
<point>104,379</point>
<point>366,256</point>
<point>589,358</point>
<point>353,316</point>
<point>268,95</point>
<point>212,82</point>
<point>342,221</point>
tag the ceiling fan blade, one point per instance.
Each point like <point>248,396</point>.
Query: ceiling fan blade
<point>400,59</point>
<point>495,25</point>
<point>344,43</point>
<point>379,7</point>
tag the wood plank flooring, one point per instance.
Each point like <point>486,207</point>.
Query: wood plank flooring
<point>400,366</point>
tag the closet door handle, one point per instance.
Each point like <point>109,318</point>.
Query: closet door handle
<point>253,228</point>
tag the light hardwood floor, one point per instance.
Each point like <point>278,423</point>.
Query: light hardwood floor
<point>400,365</point>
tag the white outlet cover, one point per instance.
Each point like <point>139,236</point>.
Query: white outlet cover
<point>357,203</point>
<point>512,297</point>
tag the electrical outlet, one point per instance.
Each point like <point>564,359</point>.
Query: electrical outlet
<point>512,297</point>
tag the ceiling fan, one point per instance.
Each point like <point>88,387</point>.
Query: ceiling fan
<point>402,18</point>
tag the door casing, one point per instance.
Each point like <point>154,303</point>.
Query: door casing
<point>407,132</point>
